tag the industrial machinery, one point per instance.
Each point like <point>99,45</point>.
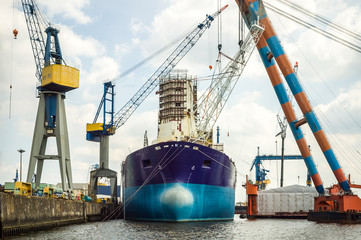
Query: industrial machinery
<point>261,172</point>
<point>211,103</point>
<point>23,188</point>
<point>55,79</point>
<point>100,132</point>
<point>48,192</point>
<point>272,53</point>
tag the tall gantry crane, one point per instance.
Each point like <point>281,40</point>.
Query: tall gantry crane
<point>55,79</point>
<point>261,172</point>
<point>100,132</point>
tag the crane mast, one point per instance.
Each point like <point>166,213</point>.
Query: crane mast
<point>100,132</point>
<point>272,53</point>
<point>55,80</point>
<point>213,100</point>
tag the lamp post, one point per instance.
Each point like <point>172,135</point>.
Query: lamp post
<point>21,151</point>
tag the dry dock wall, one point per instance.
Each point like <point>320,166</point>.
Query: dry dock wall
<point>19,214</point>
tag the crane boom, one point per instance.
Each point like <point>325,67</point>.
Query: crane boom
<point>127,110</point>
<point>213,100</point>
<point>35,33</point>
<point>272,53</point>
<point>114,121</point>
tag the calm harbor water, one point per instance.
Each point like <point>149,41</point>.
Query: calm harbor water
<point>237,229</point>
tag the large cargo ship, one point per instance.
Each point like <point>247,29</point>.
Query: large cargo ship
<point>178,178</point>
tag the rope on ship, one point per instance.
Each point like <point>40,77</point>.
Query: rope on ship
<point>163,163</point>
<point>214,159</point>
<point>157,169</point>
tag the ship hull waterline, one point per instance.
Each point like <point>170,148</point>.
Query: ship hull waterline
<point>178,182</point>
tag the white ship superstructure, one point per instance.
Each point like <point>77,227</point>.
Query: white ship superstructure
<point>177,95</point>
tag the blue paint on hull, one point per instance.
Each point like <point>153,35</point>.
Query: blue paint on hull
<point>201,203</point>
<point>178,181</point>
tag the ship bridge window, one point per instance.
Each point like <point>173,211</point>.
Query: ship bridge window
<point>206,164</point>
<point>146,163</point>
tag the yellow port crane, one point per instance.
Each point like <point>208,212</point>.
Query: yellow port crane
<point>55,79</point>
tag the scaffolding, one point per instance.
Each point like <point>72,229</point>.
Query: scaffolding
<point>173,96</point>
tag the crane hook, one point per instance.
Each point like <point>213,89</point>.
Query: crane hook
<point>15,32</point>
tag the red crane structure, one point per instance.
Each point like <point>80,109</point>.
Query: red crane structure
<point>340,199</point>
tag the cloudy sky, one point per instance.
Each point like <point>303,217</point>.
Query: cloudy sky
<point>105,38</point>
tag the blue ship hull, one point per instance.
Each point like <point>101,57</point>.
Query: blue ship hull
<point>178,181</point>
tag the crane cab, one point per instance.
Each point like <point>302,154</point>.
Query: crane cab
<point>94,130</point>
<point>59,78</point>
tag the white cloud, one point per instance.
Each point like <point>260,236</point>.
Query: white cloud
<point>137,26</point>
<point>75,45</point>
<point>102,69</point>
<point>67,8</point>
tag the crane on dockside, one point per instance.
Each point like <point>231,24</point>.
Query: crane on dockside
<point>100,131</point>
<point>55,78</point>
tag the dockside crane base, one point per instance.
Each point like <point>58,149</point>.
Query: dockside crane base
<point>55,80</point>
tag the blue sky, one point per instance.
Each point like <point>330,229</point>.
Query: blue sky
<point>105,38</point>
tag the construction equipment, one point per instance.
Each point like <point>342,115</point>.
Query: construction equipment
<point>55,79</point>
<point>261,172</point>
<point>271,52</point>
<point>23,188</point>
<point>213,100</point>
<point>283,126</point>
<point>100,132</point>
<point>48,192</point>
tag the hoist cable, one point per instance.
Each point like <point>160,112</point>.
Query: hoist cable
<point>153,55</point>
<point>346,155</point>
<point>11,62</point>
<point>322,19</point>
<point>315,28</point>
